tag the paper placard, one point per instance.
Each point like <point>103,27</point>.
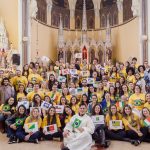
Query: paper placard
<point>24,103</point>
<point>79,91</point>
<point>85,73</point>
<point>73,71</point>
<point>90,80</point>
<point>115,124</point>
<point>99,119</point>
<point>45,105</point>
<point>59,109</point>
<point>51,129</point>
<point>78,55</point>
<point>65,71</point>
<point>28,90</point>
<point>98,67</point>
<point>31,127</point>
<point>72,91</point>
<point>61,79</point>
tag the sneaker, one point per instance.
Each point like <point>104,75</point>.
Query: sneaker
<point>10,140</point>
<point>107,144</point>
<point>36,141</point>
<point>65,148</point>
<point>136,143</point>
<point>14,140</point>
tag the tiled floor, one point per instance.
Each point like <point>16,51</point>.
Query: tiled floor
<point>56,145</point>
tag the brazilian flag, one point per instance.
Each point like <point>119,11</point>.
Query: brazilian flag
<point>76,123</point>
<point>6,108</point>
<point>137,102</point>
<point>19,122</point>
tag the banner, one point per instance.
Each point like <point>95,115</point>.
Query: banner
<point>59,109</point>
<point>31,127</point>
<point>45,105</point>
<point>24,103</point>
<point>51,129</point>
<point>98,119</point>
<point>115,124</point>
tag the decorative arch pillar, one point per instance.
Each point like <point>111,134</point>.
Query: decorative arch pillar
<point>72,5</point>
<point>120,11</point>
<point>49,9</point>
<point>97,13</point>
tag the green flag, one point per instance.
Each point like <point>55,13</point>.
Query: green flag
<point>76,123</point>
<point>19,122</point>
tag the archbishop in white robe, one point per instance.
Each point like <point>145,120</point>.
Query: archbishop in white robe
<point>77,140</point>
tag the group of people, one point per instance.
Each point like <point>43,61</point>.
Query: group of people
<point>78,103</point>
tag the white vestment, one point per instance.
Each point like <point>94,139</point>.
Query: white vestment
<point>77,140</point>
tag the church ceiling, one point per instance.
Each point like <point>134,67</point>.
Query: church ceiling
<point>61,3</point>
<point>89,4</point>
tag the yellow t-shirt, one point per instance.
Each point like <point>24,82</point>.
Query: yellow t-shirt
<point>35,78</point>
<point>20,96</point>
<point>31,95</point>
<point>131,79</point>
<point>55,97</point>
<point>75,108</point>
<point>114,77</point>
<point>45,123</point>
<point>122,73</point>
<point>68,118</point>
<point>19,80</point>
<point>132,121</point>
<point>29,120</point>
<point>147,105</point>
<point>113,118</point>
<point>137,101</point>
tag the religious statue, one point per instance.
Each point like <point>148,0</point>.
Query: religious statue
<point>120,5</point>
<point>92,54</point>
<point>108,53</point>
<point>3,56</point>
<point>60,54</point>
<point>135,7</point>
<point>100,56</point>
<point>33,8</point>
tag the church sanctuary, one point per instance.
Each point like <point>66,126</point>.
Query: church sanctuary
<point>75,74</point>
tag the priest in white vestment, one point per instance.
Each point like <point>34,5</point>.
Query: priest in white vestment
<point>78,132</point>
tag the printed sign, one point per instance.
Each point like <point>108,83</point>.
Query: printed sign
<point>28,90</point>
<point>76,123</point>
<point>78,55</point>
<point>65,71</point>
<point>24,103</point>
<point>72,91</point>
<point>31,127</point>
<point>59,109</point>
<point>45,105</point>
<point>73,71</point>
<point>51,129</point>
<point>61,79</point>
<point>90,80</point>
<point>115,124</point>
<point>98,119</point>
<point>85,73</point>
<point>79,91</point>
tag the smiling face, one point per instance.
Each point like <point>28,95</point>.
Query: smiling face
<point>113,110</point>
<point>127,110</point>
<point>137,90</point>
<point>148,98</point>
<point>146,112</point>
<point>11,101</point>
<point>82,110</point>
<point>51,111</point>
<point>35,112</point>
<point>97,109</point>
<point>21,110</point>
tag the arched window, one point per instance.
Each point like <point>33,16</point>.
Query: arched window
<point>127,12</point>
<point>42,10</point>
<point>78,22</point>
<point>109,9</point>
<point>60,7</point>
<point>89,11</point>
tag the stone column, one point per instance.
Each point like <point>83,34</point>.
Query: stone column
<point>120,11</point>
<point>148,15</point>
<point>49,8</point>
<point>72,18</point>
<point>97,18</point>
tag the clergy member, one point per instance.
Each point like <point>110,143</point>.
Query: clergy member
<point>78,132</point>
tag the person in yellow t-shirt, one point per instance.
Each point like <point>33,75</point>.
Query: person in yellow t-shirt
<point>137,100</point>
<point>130,75</point>
<point>100,92</point>
<point>147,104</point>
<point>34,117</point>
<point>132,126</point>
<point>34,77</point>
<point>114,115</point>
<point>51,119</point>
<point>114,76</point>
<point>74,104</point>
<point>19,79</point>
<point>122,71</point>
<point>65,92</point>
<point>36,90</point>
<point>21,94</point>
